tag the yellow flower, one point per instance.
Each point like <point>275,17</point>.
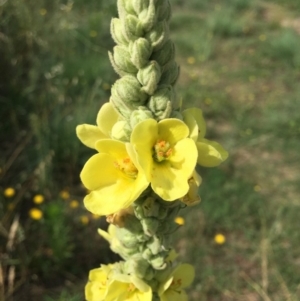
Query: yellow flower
<point>84,219</point>
<point>192,197</point>
<point>210,153</point>
<point>179,220</point>
<point>173,288</point>
<point>38,199</point>
<point>113,177</point>
<point>74,204</point>
<point>219,239</point>
<point>9,192</point>
<point>90,134</point>
<point>35,213</point>
<point>129,288</point>
<point>64,194</point>
<point>166,155</point>
<point>96,288</point>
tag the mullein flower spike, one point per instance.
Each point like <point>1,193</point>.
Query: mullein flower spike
<point>144,170</point>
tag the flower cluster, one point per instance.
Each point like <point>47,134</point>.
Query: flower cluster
<point>162,154</point>
<point>110,283</point>
<point>144,170</point>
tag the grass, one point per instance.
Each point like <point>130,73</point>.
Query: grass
<point>239,63</point>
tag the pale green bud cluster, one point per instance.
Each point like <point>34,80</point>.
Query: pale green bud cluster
<point>144,58</point>
<point>144,238</point>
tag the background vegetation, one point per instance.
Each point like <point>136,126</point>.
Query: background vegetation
<point>240,63</point>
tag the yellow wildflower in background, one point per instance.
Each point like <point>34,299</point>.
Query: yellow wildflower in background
<point>210,153</point>
<point>84,219</point>
<point>74,204</point>
<point>173,288</point>
<point>179,220</point>
<point>35,213</point>
<point>114,178</point>
<point>38,199</point>
<point>166,155</point>
<point>219,239</point>
<point>9,192</point>
<point>64,194</point>
<point>90,134</point>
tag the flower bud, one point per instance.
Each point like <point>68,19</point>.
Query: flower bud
<point>149,77</point>
<point>158,35</point>
<point>137,266</point>
<point>158,261</point>
<point>163,10</point>
<point>149,225</point>
<point>132,28</point>
<point>140,52</point>
<point>121,131</point>
<point>148,16</point>
<point>140,5</point>
<point>127,238</point>
<point>151,207</point>
<point>139,115</point>
<point>164,55</point>
<point>154,245</point>
<point>117,33</point>
<point>170,74</point>
<point>127,95</point>
<point>120,60</point>
<point>161,102</point>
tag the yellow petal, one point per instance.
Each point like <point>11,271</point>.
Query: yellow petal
<point>172,130</point>
<point>185,155</point>
<point>171,295</point>
<point>143,138</point>
<point>89,134</point>
<point>210,153</point>
<point>106,118</point>
<point>192,115</point>
<point>109,199</point>
<point>99,171</point>
<point>114,148</point>
<point>185,273</point>
<point>168,182</point>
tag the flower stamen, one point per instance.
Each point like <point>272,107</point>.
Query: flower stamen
<point>162,151</point>
<point>127,167</point>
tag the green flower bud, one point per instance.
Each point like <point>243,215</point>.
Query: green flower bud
<point>139,115</point>
<point>149,77</point>
<point>138,211</point>
<point>158,35</point>
<point>170,74</point>
<point>161,102</point>
<point>149,225</point>
<point>132,28</point>
<point>121,62</point>
<point>127,95</point>
<point>140,52</point>
<point>146,254</point>
<point>117,32</point>
<point>127,238</point>
<point>154,245</point>
<point>148,16</point>
<point>129,7</point>
<point>162,213</point>
<point>136,265</point>
<point>151,207</point>
<point>164,55</point>
<point>163,10</point>
<point>121,131</point>
<point>140,5</point>
<point>158,261</point>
